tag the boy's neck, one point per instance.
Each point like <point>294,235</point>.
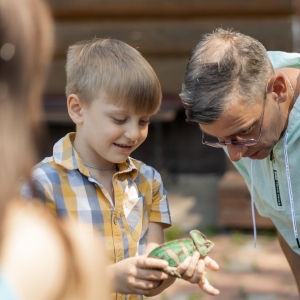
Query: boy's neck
<point>91,160</point>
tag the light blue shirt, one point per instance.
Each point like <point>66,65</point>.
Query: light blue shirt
<point>279,210</point>
<point>5,291</point>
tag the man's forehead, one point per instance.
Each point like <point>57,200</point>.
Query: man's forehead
<point>235,118</point>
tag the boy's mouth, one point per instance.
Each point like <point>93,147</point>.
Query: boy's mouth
<point>122,146</point>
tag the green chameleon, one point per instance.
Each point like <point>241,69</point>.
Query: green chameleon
<point>175,252</point>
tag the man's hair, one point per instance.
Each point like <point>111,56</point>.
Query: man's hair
<point>224,66</point>
<point>115,71</point>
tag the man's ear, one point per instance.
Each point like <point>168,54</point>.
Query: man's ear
<point>279,87</point>
<point>75,109</point>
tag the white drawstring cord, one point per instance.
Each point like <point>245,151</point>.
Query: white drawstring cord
<point>252,203</point>
<point>288,177</point>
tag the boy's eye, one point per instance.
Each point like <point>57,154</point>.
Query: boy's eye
<point>144,122</point>
<point>119,121</point>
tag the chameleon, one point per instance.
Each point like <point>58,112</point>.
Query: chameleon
<point>176,251</point>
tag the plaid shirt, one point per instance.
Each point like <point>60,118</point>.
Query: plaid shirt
<point>68,189</point>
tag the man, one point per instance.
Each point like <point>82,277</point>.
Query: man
<point>245,101</point>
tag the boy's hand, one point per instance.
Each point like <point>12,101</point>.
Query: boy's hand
<point>193,270</point>
<point>134,275</point>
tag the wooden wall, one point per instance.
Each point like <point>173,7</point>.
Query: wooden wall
<point>165,31</point>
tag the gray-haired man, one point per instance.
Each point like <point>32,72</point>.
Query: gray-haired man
<point>245,101</point>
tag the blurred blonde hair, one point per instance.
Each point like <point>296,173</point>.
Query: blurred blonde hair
<point>26,45</point>
<point>115,71</point>
<point>41,257</point>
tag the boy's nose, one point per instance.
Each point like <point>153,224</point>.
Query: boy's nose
<point>133,132</point>
<point>236,152</point>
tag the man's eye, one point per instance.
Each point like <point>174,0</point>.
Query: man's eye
<point>246,131</point>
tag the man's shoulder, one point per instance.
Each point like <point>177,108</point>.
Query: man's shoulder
<point>280,59</point>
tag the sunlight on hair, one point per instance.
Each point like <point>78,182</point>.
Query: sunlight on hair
<point>3,90</point>
<point>7,51</point>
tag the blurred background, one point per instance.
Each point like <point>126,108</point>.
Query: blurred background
<point>205,191</point>
<point>165,32</point>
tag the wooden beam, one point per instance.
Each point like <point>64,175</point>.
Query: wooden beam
<point>234,204</point>
<point>170,37</point>
<point>170,72</point>
<point>168,8</point>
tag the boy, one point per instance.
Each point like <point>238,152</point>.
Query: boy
<point>111,93</point>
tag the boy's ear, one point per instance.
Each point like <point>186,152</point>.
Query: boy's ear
<point>279,87</point>
<point>75,109</point>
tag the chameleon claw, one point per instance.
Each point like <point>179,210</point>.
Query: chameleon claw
<point>172,271</point>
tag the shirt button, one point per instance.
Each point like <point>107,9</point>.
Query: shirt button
<point>115,220</point>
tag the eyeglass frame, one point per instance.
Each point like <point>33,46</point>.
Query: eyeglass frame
<point>247,142</point>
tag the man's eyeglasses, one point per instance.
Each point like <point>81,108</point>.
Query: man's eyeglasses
<point>248,142</point>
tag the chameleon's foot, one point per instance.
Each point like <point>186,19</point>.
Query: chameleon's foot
<point>172,271</point>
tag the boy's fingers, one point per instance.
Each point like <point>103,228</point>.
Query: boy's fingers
<point>201,266</point>
<point>192,266</point>
<point>148,274</point>
<point>210,263</point>
<point>143,287</point>
<point>149,262</point>
<point>207,288</point>
<point>184,265</point>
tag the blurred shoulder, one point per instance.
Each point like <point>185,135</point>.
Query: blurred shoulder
<point>42,257</point>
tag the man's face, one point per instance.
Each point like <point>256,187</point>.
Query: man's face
<point>241,122</point>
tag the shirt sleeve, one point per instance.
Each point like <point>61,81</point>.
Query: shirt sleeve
<point>160,211</point>
<point>281,59</point>
<point>40,188</point>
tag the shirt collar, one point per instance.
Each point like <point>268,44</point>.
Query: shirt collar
<point>128,167</point>
<point>64,154</point>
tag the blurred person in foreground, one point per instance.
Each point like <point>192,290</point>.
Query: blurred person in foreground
<point>40,256</point>
<point>246,101</point>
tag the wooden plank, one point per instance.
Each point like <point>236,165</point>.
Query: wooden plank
<point>170,37</point>
<point>234,204</point>
<point>170,72</point>
<point>56,111</point>
<point>168,8</point>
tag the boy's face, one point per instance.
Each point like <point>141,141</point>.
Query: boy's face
<point>110,133</point>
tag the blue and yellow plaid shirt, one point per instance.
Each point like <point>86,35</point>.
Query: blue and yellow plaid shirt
<point>68,189</point>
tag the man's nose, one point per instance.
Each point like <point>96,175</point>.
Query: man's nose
<point>236,152</point>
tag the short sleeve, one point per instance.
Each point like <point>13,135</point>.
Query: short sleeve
<point>160,211</point>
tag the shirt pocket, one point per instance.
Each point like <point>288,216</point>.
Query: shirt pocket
<point>133,211</point>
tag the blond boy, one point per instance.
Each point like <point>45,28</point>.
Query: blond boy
<point>111,94</point>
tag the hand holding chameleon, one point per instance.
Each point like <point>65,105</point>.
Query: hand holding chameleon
<point>188,258</point>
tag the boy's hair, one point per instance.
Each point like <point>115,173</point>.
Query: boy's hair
<point>115,71</point>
